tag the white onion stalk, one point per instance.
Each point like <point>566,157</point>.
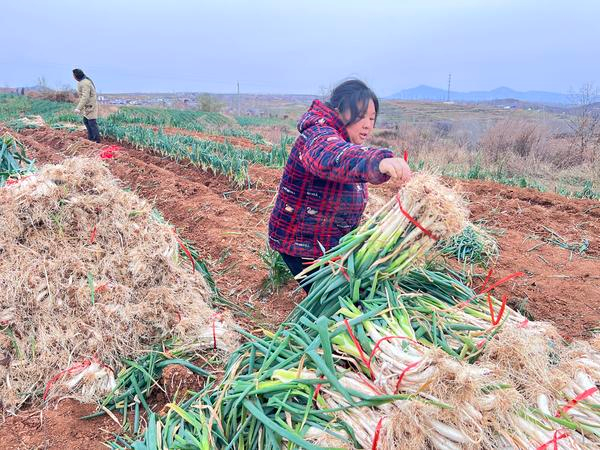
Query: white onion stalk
<point>92,382</point>
<point>449,432</point>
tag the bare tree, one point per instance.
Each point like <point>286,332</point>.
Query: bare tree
<point>208,103</point>
<point>41,82</point>
<point>584,122</point>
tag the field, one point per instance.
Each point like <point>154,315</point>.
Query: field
<point>215,176</point>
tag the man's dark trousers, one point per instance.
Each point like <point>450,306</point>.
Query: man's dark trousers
<point>92,129</point>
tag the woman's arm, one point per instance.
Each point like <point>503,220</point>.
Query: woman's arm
<point>328,156</point>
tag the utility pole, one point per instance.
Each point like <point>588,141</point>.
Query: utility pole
<point>449,79</point>
<point>238,98</point>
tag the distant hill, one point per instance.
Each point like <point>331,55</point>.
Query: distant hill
<point>36,88</point>
<point>430,93</point>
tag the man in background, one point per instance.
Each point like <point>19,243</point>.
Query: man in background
<point>88,104</point>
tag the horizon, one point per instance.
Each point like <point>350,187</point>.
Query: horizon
<point>387,97</point>
<point>273,48</point>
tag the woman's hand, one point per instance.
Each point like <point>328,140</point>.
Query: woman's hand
<point>396,168</point>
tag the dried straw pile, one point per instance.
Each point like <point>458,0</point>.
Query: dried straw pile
<point>87,273</point>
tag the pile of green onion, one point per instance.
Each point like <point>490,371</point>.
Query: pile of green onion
<point>387,353</point>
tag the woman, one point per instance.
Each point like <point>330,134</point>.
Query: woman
<point>88,104</point>
<point>323,191</point>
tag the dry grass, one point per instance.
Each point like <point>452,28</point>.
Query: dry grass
<point>531,148</point>
<point>55,96</point>
<point>508,148</point>
<point>87,273</point>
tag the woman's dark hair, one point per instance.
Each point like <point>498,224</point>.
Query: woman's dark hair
<point>78,74</point>
<point>353,96</point>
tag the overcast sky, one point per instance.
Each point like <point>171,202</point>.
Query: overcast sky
<point>303,46</point>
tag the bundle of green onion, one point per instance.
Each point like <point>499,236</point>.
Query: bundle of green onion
<point>391,242</point>
<point>385,353</point>
<point>13,160</point>
<point>289,390</point>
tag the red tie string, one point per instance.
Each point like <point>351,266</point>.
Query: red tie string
<point>333,261</point>
<point>384,339</point>
<point>572,403</point>
<point>12,181</point>
<point>414,221</point>
<point>317,390</point>
<point>93,235</point>
<point>101,288</point>
<point>553,441</point>
<point>376,436</point>
<point>487,278</point>
<point>496,320</point>
<point>490,288</point>
<point>75,368</point>
<point>404,372</point>
<point>185,250</point>
<point>359,348</point>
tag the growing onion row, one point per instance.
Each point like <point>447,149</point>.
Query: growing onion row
<point>177,118</point>
<point>220,158</point>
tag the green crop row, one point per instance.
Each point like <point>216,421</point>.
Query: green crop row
<point>15,106</point>
<point>186,120</point>
<point>220,158</point>
<point>189,120</point>
<point>251,121</point>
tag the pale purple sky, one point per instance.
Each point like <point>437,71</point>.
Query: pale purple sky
<point>304,47</point>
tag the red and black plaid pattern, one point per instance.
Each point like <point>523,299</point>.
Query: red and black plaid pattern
<point>322,193</point>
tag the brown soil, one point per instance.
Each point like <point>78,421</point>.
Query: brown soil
<point>57,428</point>
<point>228,226</point>
<point>560,286</point>
<point>176,380</point>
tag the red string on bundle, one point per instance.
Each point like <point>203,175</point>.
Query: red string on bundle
<point>377,432</point>
<point>360,349</point>
<point>414,221</point>
<point>554,440</point>
<point>340,265</point>
<point>317,389</point>
<point>496,320</point>
<point>75,368</point>
<point>185,250</point>
<point>101,288</point>
<point>404,372</point>
<point>490,288</point>
<point>585,394</point>
<point>384,339</point>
